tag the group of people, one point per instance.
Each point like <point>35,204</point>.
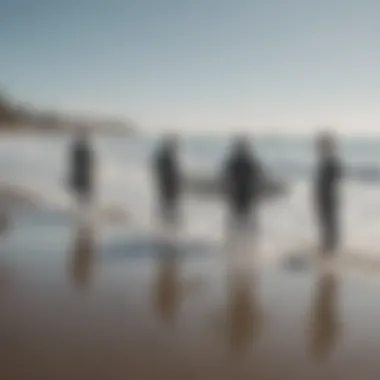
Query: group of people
<point>243,181</point>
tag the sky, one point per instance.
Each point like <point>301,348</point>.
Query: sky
<point>199,65</point>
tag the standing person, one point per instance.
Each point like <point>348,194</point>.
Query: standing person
<point>81,166</point>
<point>168,178</point>
<point>243,180</point>
<point>327,197</point>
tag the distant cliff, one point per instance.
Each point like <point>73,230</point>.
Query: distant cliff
<point>16,116</point>
<point>7,110</point>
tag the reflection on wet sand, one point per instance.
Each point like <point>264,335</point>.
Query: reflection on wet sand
<point>4,277</point>
<point>167,288</point>
<point>49,333</point>
<point>83,255</point>
<point>243,308</point>
<point>4,223</point>
<point>243,313</point>
<point>325,318</point>
<point>4,231</point>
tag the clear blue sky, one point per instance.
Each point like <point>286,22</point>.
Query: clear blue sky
<point>199,64</point>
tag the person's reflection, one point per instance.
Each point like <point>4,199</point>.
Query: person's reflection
<point>4,221</point>
<point>4,277</point>
<point>82,257</point>
<point>325,328</point>
<point>167,286</point>
<point>243,309</point>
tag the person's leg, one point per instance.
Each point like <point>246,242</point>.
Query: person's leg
<point>324,234</point>
<point>253,209</point>
<point>84,206</point>
<point>329,230</point>
<point>237,215</point>
<point>322,228</point>
<point>332,227</point>
<point>169,209</point>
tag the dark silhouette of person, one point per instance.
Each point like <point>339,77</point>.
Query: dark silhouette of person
<point>324,318</point>
<point>81,176</point>
<point>168,178</point>
<point>82,257</point>
<point>243,180</point>
<point>168,288</point>
<point>329,173</point>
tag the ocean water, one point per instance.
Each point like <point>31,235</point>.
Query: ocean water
<point>39,164</point>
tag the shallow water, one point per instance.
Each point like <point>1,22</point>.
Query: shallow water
<point>124,181</point>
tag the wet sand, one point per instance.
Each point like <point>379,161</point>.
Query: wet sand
<point>80,304</point>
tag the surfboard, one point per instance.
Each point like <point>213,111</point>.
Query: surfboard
<point>211,187</point>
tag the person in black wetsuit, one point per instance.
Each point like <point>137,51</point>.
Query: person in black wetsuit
<point>81,176</point>
<point>168,178</point>
<point>243,180</point>
<point>329,173</point>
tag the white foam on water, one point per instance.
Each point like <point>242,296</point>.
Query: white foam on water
<point>124,181</point>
